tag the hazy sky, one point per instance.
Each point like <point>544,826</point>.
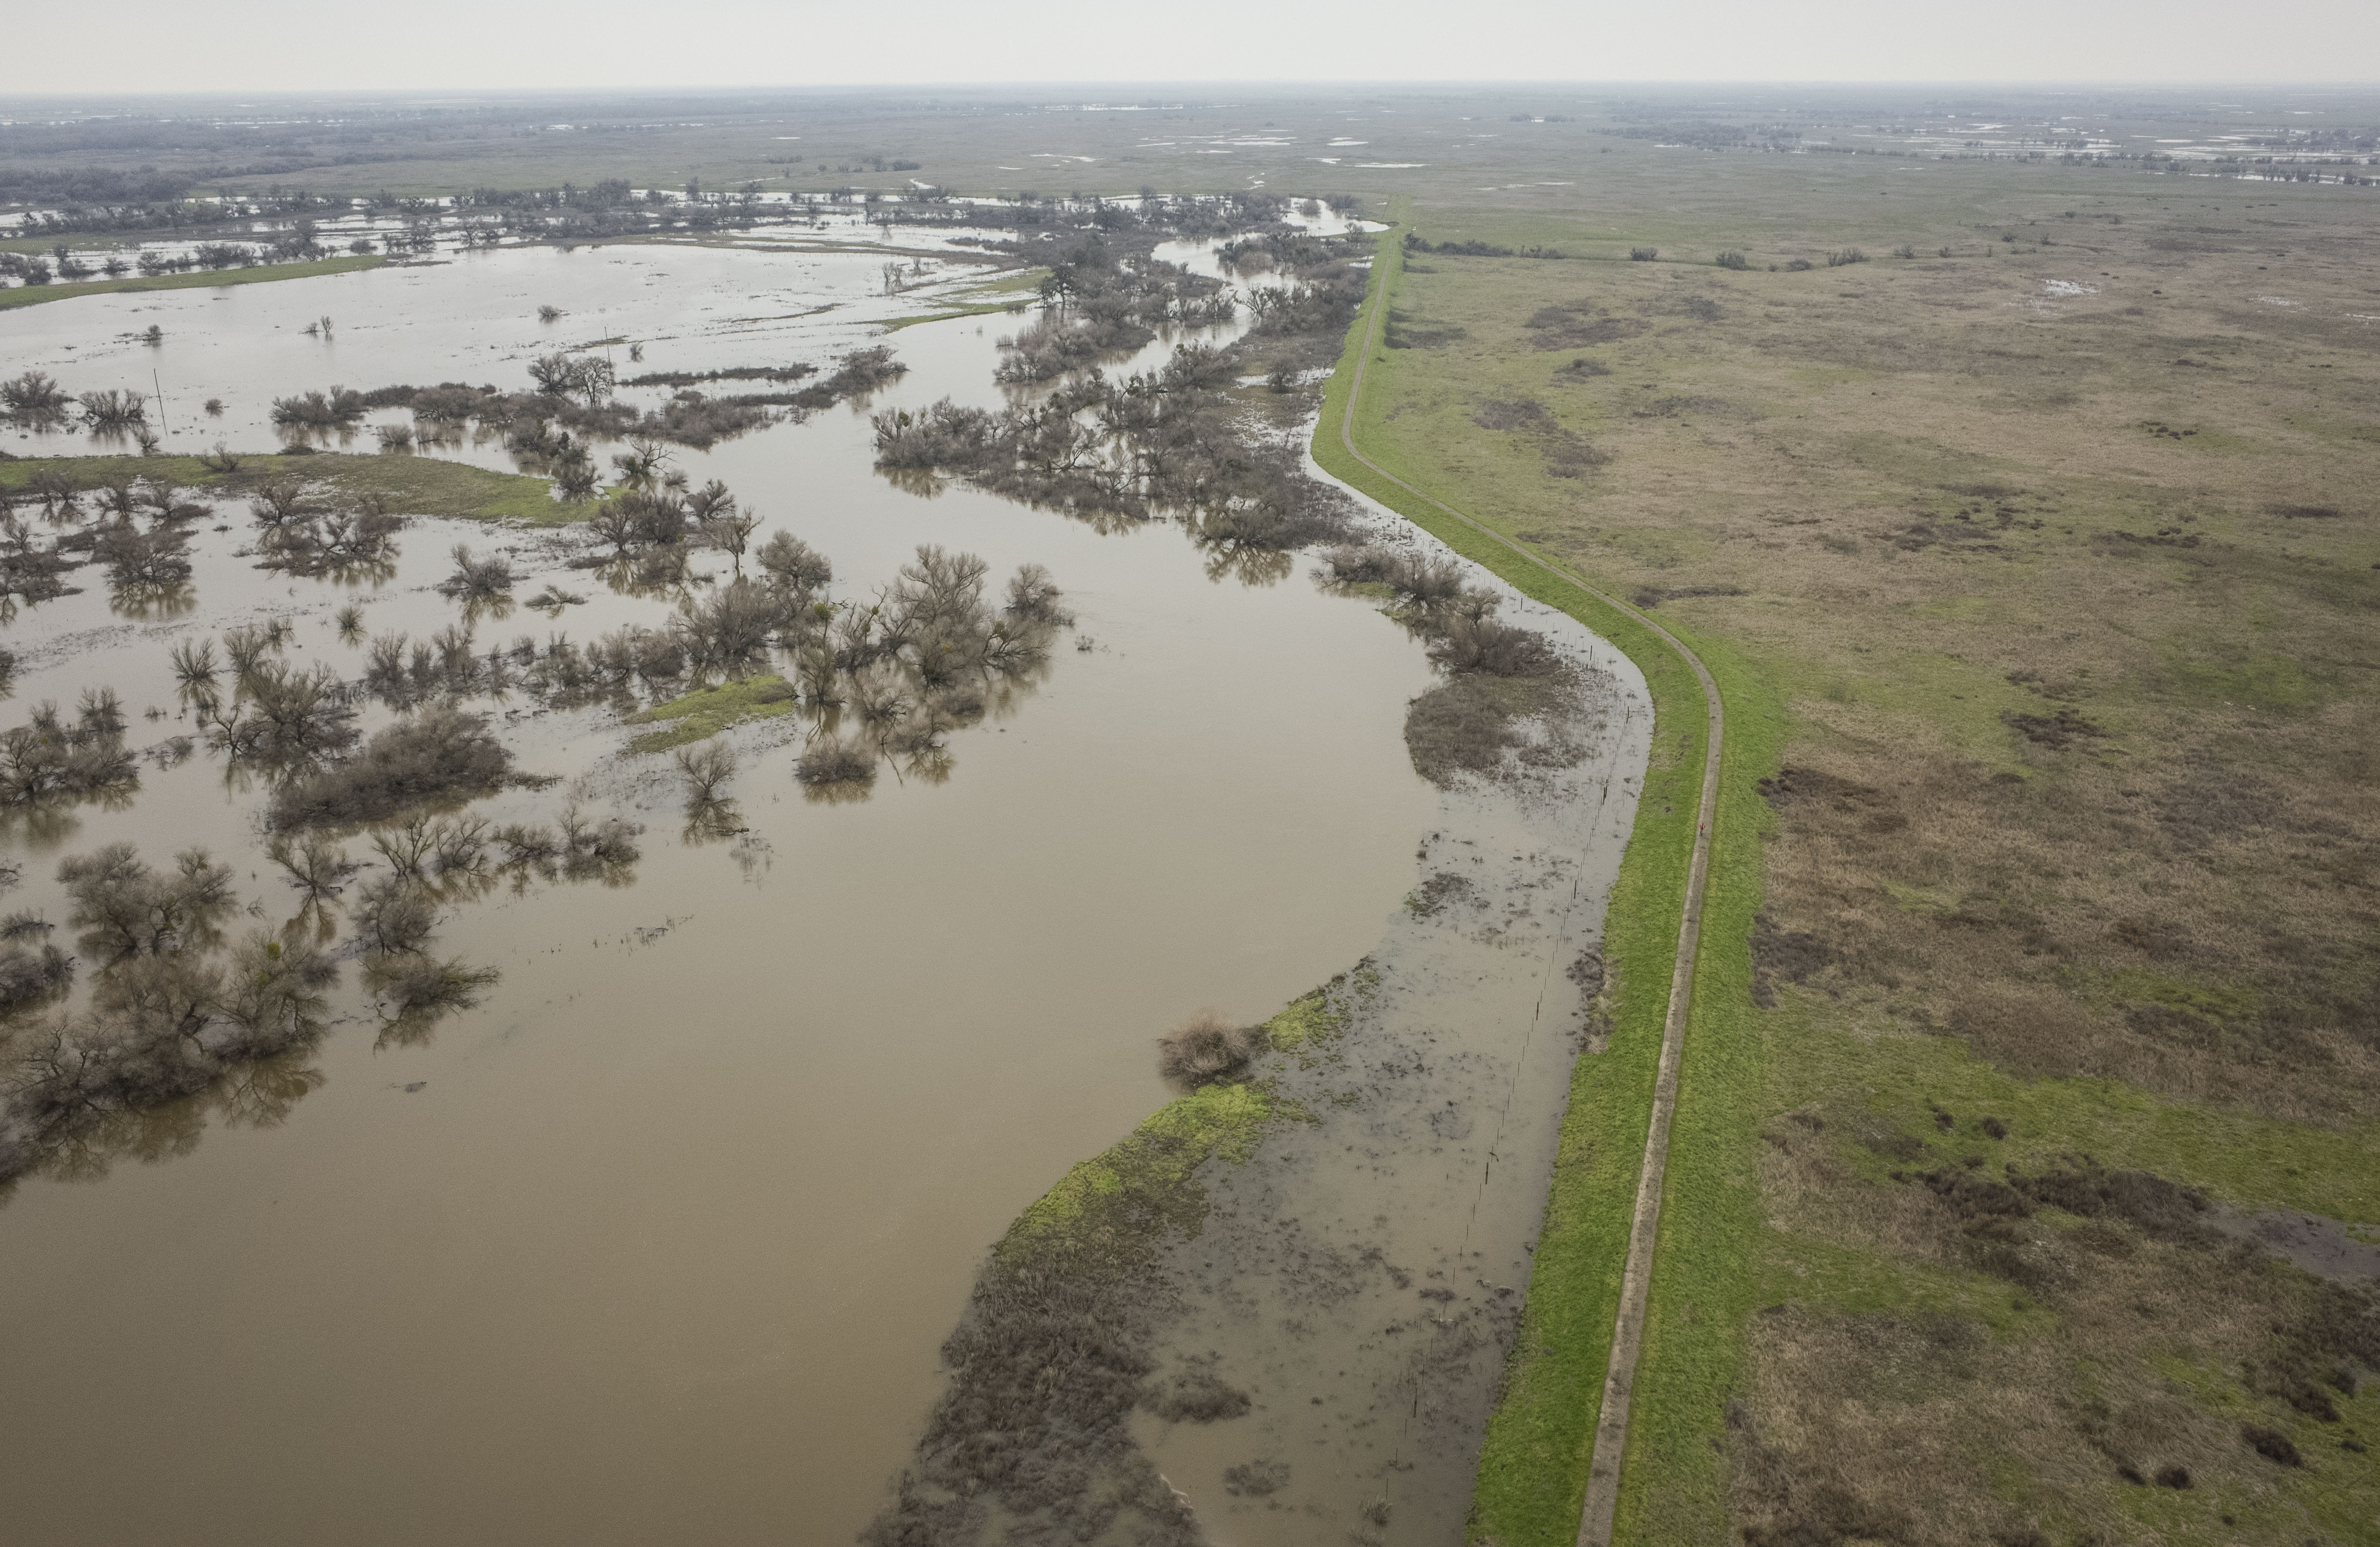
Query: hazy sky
<point>261,44</point>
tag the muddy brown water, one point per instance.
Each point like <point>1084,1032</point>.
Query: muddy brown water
<point>659,1242</point>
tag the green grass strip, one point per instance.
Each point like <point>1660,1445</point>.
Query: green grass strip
<point>708,711</point>
<point>412,485</point>
<point>34,295</point>
<point>1533,1468</point>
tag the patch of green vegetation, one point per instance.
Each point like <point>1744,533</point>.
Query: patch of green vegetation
<point>34,295</point>
<point>2241,675</point>
<point>1673,1479</point>
<point>1853,1279</point>
<point>1145,1182</point>
<point>411,485</point>
<point>2236,1156</point>
<point>1310,1019</point>
<point>430,486</point>
<point>708,711</point>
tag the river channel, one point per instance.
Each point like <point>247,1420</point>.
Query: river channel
<point>660,1241</point>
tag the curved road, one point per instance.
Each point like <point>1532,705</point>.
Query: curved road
<point>1595,1526</point>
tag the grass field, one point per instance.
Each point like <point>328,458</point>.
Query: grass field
<point>35,295</point>
<point>412,485</point>
<point>2040,572</point>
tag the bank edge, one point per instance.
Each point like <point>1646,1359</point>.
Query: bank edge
<point>1533,1467</point>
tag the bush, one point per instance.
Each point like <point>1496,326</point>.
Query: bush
<point>835,761</point>
<point>1196,1396</point>
<point>34,395</point>
<point>477,578</point>
<point>2271,1443</point>
<point>1731,259</point>
<point>1206,1047</point>
<point>393,915</point>
<point>1847,256</point>
<point>1642,254</point>
<point>440,755</point>
<point>28,977</point>
<point>1497,648</point>
<point>705,767</point>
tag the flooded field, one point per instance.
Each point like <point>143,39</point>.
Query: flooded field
<point>658,1234</point>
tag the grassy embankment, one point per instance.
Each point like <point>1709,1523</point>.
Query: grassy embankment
<point>34,295</point>
<point>2054,604</point>
<point>412,485</point>
<point>1533,1471</point>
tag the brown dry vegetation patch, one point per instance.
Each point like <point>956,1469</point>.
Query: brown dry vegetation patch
<point>2077,781</point>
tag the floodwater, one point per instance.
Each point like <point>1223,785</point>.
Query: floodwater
<point>660,1240</point>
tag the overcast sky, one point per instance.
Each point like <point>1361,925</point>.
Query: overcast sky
<point>261,45</point>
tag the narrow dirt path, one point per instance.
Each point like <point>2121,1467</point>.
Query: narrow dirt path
<point>1595,1528</point>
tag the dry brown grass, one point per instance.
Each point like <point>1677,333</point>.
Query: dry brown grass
<point>2081,700</point>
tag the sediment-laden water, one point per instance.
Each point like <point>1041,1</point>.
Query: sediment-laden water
<point>660,1239</point>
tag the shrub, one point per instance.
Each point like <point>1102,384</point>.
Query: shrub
<point>419,987</point>
<point>1847,256</point>
<point>477,578</point>
<point>1033,596</point>
<point>392,914</point>
<point>317,865</point>
<point>1497,648</point>
<point>705,767</point>
<point>114,411</point>
<point>1196,1396</point>
<point>35,394</point>
<point>28,977</point>
<point>1206,1047</point>
<point>834,761</point>
<point>1642,254</point>
<point>1733,259</point>
<point>2271,1443</point>
<point>440,755</point>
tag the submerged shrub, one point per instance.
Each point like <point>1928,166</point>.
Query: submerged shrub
<point>34,395</point>
<point>1483,645</point>
<point>440,755</point>
<point>30,976</point>
<point>477,578</point>
<point>1196,1396</point>
<point>1206,1047</point>
<point>392,914</point>
<point>51,759</point>
<point>417,987</point>
<point>705,767</point>
<point>317,865</point>
<point>835,761</point>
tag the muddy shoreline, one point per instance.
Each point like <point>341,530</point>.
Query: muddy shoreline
<point>1304,1332</point>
